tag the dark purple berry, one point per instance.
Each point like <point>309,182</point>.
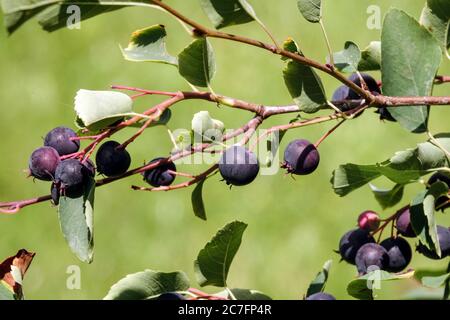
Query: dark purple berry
<point>171,296</point>
<point>90,167</point>
<point>111,160</point>
<point>371,83</point>
<point>43,163</point>
<point>371,256</point>
<point>403,224</point>
<point>238,166</point>
<point>54,192</point>
<point>385,114</point>
<point>441,202</point>
<point>351,242</point>
<point>369,220</point>
<point>70,177</point>
<point>321,296</point>
<point>60,139</point>
<point>340,94</point>
<point>443,234</point>
<point>399,252</point>
<point>301,157</point>
<point>160,176</point>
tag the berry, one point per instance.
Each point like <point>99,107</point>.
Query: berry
<point>301,157</point>
<point>321,296</point>
<point>399,252</point>
<point>351,242</point>
<point>171,296</point>
<point>43,163</point>
<point>441,202</point>
<point>238,166</point>
<point>111,160</point>
<point>371,256</point>
<point>54,192</point>
<point>385,114</point>
<point>371,83</point>
<point>369,220</point>
<point>70,177</point>
<point>90,167</point>
<point>159,176</point>
<point>60,139</point>
<point>341,93</point>
<point>403,224</point>
<point>443,234</point>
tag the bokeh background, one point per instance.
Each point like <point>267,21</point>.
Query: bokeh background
<point>294,225</point>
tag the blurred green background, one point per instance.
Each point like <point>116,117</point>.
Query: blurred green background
<point>294,225</point>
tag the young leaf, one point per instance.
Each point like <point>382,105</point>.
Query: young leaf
<point>436,281</point>
<point>437,26</point>
<point>149,44</point>
<point>147,284</point>
<point>318,284</point>
<point>214,260</point>
<point>348,59</point>
<point>423,218</point>
<point>197,201</point>
<point>371,57</point>
<point>76,220</point>
<point>410,59</point>
<point>224,13</point>
<point>12,271</point>
<point>311,10</point>
<point>196,63</point>
<point>388,198</point>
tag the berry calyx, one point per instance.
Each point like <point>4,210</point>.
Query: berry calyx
<point>160,176</point>
<point>60,139</point>
<point>238,166</point>
<point>443,235</point>
<point>371,256</point>
<point>351,242</point>
<point>43,163</point>
<point>399,252</point>
<point>112,160</point>
<point>369,220</point>
<point>403,224</point>
<point>321,296</point>
<point>301,157</point>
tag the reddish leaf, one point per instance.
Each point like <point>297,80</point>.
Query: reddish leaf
<point>22,261</point>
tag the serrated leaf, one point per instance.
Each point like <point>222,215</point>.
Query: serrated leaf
<point>149,44</point>
<point>349,177</point>
<point>197,201</point>
<point>77,222</point>
<point>435,282</point>
<point>146,284</point>
<point>311,10</point>
<point>371,57</point>
<point>224,13</point>
<point>410,59</point>
<point>318,284</point>
<point>388,198</point>
<point>214,260</point>
<point>348,59</point>
<point>423,218</point>
<point>196,63</point>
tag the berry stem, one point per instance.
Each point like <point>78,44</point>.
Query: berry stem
<point>329,132</point>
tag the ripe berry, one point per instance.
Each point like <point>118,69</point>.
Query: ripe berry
<point>54,192</point>
<point>43,163</point>
<point>60,139</point>
<point>443,234</point>
<point>371,83</point>
<point>321,296</point>
<point>238,166</point>
<point>111,160</point>
<point>385,114</point>
<point>341,93</point>
<point>369,220</point>
<point>351,242</point>
<point>160,176</point>
<point>171,296</point>
<point>301,157</point>
<point>90,167</point>
<point>70,177</point>
<point>399,252</point>
<point>371,255</point>
<point>403,224</point>
<point>441,202</point>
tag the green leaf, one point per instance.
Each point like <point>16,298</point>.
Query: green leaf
<point>318,284</point>
<point>303,83</point>
<point>99,109</point>
<point>388,198</point>
<point>224,13</point>
<point>410,59</point>
<point>6,292</point>
<point>423,218</point>
<point>348,59</point>
<point>76,220</point>
<point>147,284</point>
<point>311,10</point>
<point>431,156</point>
<point>371,57</point>
<point>196,63</point>
<point>197,201</point>
<point>435,282</point>
<point>205,128</point>
<point>437,26</point>
<point>349,177</point>
<point>214,260</point>
<point>363,287</point>
<point>244,294</point>
<point>149,44</point>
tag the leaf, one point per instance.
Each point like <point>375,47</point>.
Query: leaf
<point>437,26</point>
<point>362,288</point>
<point>435,282</point>
<point>76,220</point>
<point>371,57</point>
<point>423,218</point>
<point>311,10</point>
<point>388,198</point>
<point>214,260</point>
<point>318,284</point>
<point>225,13</point>
<point>349,177</point>
<point>410,59</point>
<point>146,284</point>
<point>12,272</point>
<point>197,201</point>
<point>431,156</point>
<point>205,128</point>
<point>99,109</point>
<point>348,59</point>
<point>149,44</point>
<point>303,83</point>
<point>196,63</point>
<point>244,294</point>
